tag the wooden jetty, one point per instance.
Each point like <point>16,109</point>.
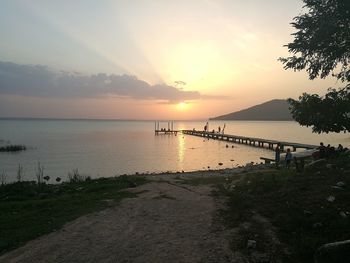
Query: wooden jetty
<point>167,129</point>
<point>257,142</point>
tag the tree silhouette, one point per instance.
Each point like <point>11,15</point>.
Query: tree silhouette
<point>321,46</point>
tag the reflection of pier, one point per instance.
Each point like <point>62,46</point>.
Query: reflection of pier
<point>164,127</point>
<point>257,142</point>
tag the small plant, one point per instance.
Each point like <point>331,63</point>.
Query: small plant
<point>46,178</point>
<point>20,173</point>
<point>40,173</point>
<point>75,177</point>
<point>3,177</point>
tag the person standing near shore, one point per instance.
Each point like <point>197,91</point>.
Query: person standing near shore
<point>322,151</point>
<point>288,158</point>
<point>277,154</point>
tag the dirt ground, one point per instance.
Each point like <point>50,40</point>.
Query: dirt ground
<point>167,222</point>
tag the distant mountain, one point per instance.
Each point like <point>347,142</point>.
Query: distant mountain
<point>273,110</point>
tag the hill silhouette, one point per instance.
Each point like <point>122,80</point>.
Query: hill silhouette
<point>273,110</point>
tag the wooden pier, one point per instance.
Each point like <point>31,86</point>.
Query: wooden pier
<point>257,142</point>
<point>167,129</point>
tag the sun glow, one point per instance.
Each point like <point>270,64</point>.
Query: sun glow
<point>182,105</point>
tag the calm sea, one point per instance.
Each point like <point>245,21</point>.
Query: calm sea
<point>109,148</point>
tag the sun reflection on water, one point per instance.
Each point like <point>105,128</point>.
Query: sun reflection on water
<point>181,150</point>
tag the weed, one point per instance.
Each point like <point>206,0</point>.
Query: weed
<point>39,173</point>
<point>76,177</point>
<point>20,173</point>
<point>3,177</point>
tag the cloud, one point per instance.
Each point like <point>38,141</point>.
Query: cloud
<point>41,81</point>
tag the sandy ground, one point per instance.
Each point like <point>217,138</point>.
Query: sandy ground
<point>167,222</point>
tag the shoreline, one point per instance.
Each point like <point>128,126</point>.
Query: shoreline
<point>212,172</point>
<point>195,173</point>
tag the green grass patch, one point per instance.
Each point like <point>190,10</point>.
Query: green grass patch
<point>29,210</point>
<point>296,205</point>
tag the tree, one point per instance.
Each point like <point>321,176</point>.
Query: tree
<point>330,113</point>
<point>322,46</point>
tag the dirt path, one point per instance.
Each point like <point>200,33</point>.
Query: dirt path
<point>167,222</point>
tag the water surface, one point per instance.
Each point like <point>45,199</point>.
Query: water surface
<point>108,148</point>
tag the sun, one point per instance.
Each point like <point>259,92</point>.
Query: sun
<point>182,105</point>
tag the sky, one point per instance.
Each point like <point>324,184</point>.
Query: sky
<point>146,59</point>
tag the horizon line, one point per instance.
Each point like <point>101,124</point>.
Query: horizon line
<point>93,119</point>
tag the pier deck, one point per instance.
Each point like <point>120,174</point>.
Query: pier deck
<point>166,132</point>
<point>168,128</point>
<point>257,142</point>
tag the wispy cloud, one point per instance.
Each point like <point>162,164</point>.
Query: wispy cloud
<point>41,81</point>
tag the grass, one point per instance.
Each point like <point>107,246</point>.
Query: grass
<point>29,210</point>
<point>295,205</point>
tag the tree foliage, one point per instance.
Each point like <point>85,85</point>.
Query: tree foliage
<point>322,40</point>
<point>330,113</point>
<point>321,46</point>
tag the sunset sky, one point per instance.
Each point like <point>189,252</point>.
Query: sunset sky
<point>145,59</point>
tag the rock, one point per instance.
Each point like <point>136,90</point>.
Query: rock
<point>333,252</point>
<point>220,164</point>
<point>330,198</point>
<point>340,184</point>
<point>342,214</point>
<point>337,187</point>
<point>307,212</point>
<point>251,244</point>
<point>330,166</point>
<point>321,163</point>
<point>317,225</point>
